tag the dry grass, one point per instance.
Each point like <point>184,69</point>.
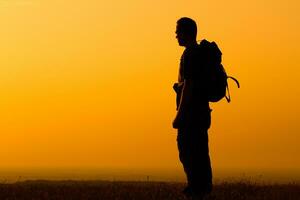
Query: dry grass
<point>106,190</point>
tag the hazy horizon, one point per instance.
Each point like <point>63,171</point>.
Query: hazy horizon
<point>126,174</point>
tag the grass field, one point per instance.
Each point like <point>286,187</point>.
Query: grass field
<point>115,190</point>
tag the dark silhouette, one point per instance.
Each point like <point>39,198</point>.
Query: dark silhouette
<point>193,116</point>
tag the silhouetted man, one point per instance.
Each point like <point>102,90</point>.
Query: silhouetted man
<point>193,113</point>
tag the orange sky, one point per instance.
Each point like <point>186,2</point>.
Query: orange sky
<point>89,83</point>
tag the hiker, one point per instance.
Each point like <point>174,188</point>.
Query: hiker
<point>193,116</point>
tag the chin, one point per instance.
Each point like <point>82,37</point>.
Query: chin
<point>180,44</point>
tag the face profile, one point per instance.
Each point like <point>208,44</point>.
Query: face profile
<point>180,36</point>
<point>186,32</point>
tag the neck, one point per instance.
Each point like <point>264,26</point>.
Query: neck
<point>191,43</point>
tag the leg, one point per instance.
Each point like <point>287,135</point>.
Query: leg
<point>201,173</point>
<point>194,156</point>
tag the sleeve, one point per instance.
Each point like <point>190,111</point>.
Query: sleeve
<point>191,65</point>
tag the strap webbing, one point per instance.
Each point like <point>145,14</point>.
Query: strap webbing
<point>238,85</point>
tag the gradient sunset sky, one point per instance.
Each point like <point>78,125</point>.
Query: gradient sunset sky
<point>89,83</point>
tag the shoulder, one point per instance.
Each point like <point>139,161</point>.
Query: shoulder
<point>192,50</point>
<point>191,55</point>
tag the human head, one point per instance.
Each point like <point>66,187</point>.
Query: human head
<point>186,31</point>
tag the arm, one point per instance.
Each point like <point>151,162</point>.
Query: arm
<point>184,103</point>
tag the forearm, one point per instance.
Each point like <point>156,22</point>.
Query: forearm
<point>185,99</point>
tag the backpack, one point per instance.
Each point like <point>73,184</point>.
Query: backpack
<point>217,77</point>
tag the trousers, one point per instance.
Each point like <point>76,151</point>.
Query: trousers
<point>193,149</point>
